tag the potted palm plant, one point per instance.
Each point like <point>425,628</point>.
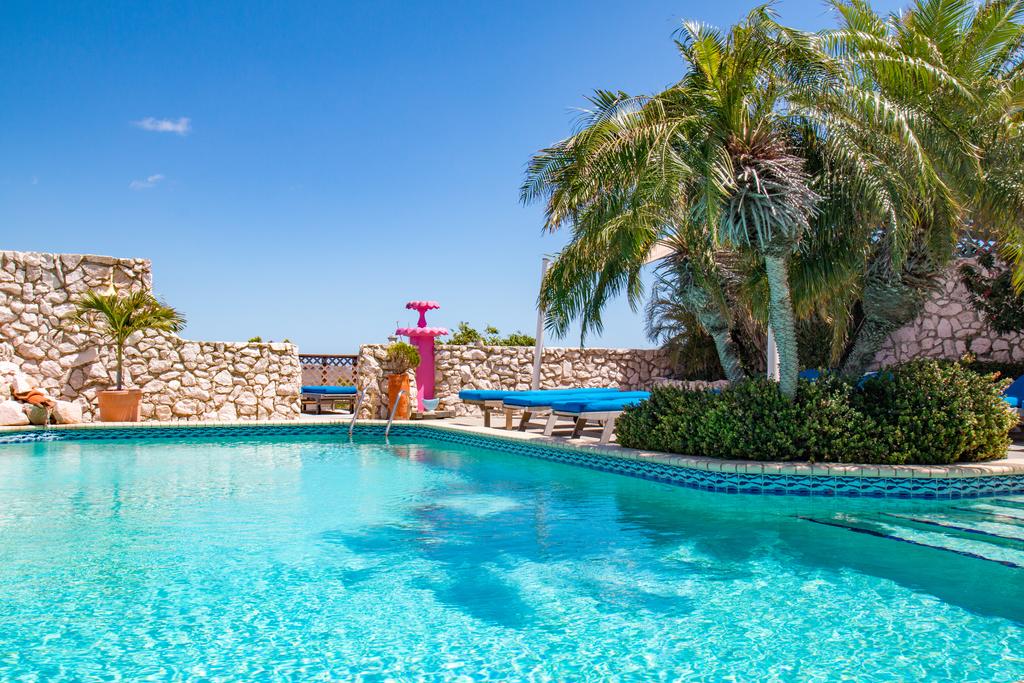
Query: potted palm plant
<point>115,317</point>
<point>399,360</point>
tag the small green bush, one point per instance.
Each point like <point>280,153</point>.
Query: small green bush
<point>668,422</point>
<point>1010,371</point>
<point>929,412</point>
<point>830,428</point>
<point>750,420</point>
<point>467,334</point>
<point>401,357</point>
<point>924,412</point>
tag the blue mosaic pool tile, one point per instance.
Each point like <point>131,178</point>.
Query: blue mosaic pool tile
<point>725,482</point>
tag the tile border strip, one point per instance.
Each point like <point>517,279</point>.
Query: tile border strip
<point>663,468</point>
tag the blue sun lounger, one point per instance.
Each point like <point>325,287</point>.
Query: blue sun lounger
<point>1014,395</point>
<point>604,410</point>
<point>319,395</point>
<point>495,399</point>
<point>535,403</point>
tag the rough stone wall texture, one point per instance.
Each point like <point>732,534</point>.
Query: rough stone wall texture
<point>372,379</point>
<point>180,380</point>
<point>948,328</point>
<point>511,367</point>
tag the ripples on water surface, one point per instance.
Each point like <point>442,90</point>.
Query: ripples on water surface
<point>309,560</point>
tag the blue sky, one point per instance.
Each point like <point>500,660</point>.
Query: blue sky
<point>302,170</point>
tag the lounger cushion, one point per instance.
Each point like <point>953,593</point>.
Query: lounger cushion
<point>544,399</point>
<point>501,394</point>
<point>324,389</point>
<point>1012,401</point>
<point>602,405</point>
<point>1016,391</point>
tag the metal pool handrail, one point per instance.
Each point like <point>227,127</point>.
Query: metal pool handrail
<point>394,409</point>
<point>355,411</point>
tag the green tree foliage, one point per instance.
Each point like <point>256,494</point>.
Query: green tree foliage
<point>466,334</point>
<point>992,292</point>
<point>791,175</point>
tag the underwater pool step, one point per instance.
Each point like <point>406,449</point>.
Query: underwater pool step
<point>987,514</point>
<point>990,532</point>
<point>1008,502</point>
<point>993,508</point>
<point>935,540</point>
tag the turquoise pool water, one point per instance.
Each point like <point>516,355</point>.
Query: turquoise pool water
<point>310,559</point>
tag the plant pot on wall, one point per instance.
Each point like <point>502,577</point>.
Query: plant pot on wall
<point>397,384</point>
<point>115,317</point>
<point>120,405</point>
<point>400,358</point>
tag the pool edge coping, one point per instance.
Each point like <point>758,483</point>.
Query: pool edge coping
<point>999,468</point>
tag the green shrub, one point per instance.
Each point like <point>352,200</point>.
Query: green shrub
<point>924,412</point>
<point>467,334</point>
<point>930,412</point>
<point>635,426</point>
<point>668,422</point>
<point>401,357</point>
<point>750,420</point>
<point>1010,371</point>
<point>830,428</point>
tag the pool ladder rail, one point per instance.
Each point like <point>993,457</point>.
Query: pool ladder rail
<point>394,409</point>
<point>355,411</point>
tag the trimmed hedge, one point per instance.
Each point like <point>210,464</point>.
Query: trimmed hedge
<point>921,412</point>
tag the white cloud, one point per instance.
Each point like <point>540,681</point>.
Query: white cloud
<point>148,183</point>
<point>183,126</point>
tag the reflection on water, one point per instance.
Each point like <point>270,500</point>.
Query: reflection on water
<point>310,557</point>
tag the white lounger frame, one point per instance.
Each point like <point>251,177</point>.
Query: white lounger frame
<point>486,407</point>
<point>605,418</point>
<point>494,405</point>
<point>330,399</point>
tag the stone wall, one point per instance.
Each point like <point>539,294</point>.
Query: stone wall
<point>511,367</point>
<point>180,380</point>
<point>948,328</point>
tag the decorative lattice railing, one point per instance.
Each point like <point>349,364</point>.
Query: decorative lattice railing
<point>328,368</point>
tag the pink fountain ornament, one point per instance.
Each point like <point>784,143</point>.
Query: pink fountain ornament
<point>422,337</point>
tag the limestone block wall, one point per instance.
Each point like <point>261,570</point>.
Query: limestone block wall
<point>948,328</point>
<point>511,367</point>
<point>180,379</point>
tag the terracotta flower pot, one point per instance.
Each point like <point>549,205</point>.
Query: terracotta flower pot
<point>120,405</point>
<point>397,383</point>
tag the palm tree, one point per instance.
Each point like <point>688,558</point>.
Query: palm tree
<point>688,293</point>
<point>116,317</point>
<point>690,316</point>
<point>710,163</point>
<point>948,73</point>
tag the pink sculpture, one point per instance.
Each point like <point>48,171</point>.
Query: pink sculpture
<point>422,337</point>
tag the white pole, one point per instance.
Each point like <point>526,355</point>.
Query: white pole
<point>538,348</point>
<point>773,357</point>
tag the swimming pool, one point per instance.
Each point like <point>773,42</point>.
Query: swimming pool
<point>307,557</point>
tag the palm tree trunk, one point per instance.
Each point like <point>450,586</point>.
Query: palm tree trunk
<point>782,320</point>
<point>120,365</point>
<point>715,324</point>
<point>889,304</point>
<point>710,316</point>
